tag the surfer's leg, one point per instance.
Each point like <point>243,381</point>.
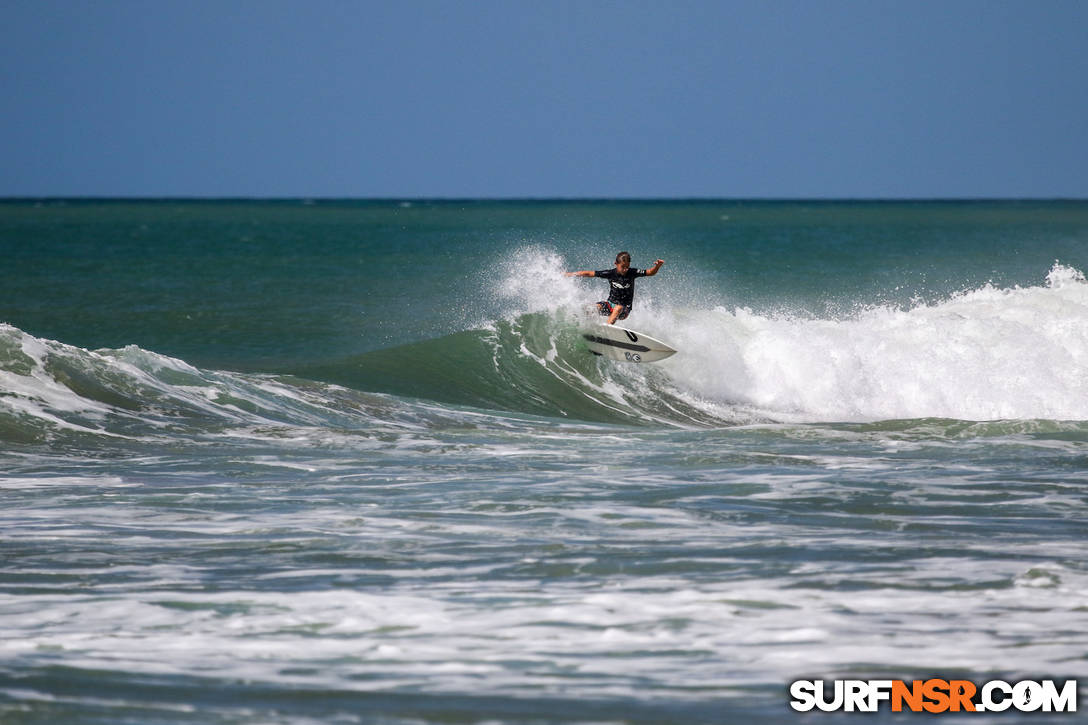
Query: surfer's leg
<point>616,310</point>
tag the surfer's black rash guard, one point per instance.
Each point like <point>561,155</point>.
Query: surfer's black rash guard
<point>622,290</point>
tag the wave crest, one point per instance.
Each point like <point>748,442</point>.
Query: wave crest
<point>984,354</point>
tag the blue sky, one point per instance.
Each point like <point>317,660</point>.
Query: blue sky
<point>544,98</point>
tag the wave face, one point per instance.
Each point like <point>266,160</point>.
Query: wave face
<point>63,395</point>
<point>985,354</point>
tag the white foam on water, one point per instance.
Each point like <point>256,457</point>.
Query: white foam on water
<point>604,578</point>
<point>28,390</point>
<point>645,638</point>
<point>985,354</point>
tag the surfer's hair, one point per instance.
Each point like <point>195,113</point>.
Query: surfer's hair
<point>623,257</point>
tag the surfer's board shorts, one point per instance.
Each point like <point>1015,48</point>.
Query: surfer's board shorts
<point>606,308</point>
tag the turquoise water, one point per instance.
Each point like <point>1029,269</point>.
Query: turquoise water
<point>348,461</point>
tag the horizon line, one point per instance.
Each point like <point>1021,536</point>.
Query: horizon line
<point>543,199</point>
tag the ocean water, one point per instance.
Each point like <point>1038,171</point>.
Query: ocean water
<point>339,462</point>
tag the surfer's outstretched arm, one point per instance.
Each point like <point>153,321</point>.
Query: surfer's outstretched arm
<point>653,270</point>
<point>583,273</point>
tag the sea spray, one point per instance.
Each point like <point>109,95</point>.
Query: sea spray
<point>988,353</point>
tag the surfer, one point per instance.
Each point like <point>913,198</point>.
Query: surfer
<point>622,286</point>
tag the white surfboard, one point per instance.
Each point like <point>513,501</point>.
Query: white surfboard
<point>619,343</point>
